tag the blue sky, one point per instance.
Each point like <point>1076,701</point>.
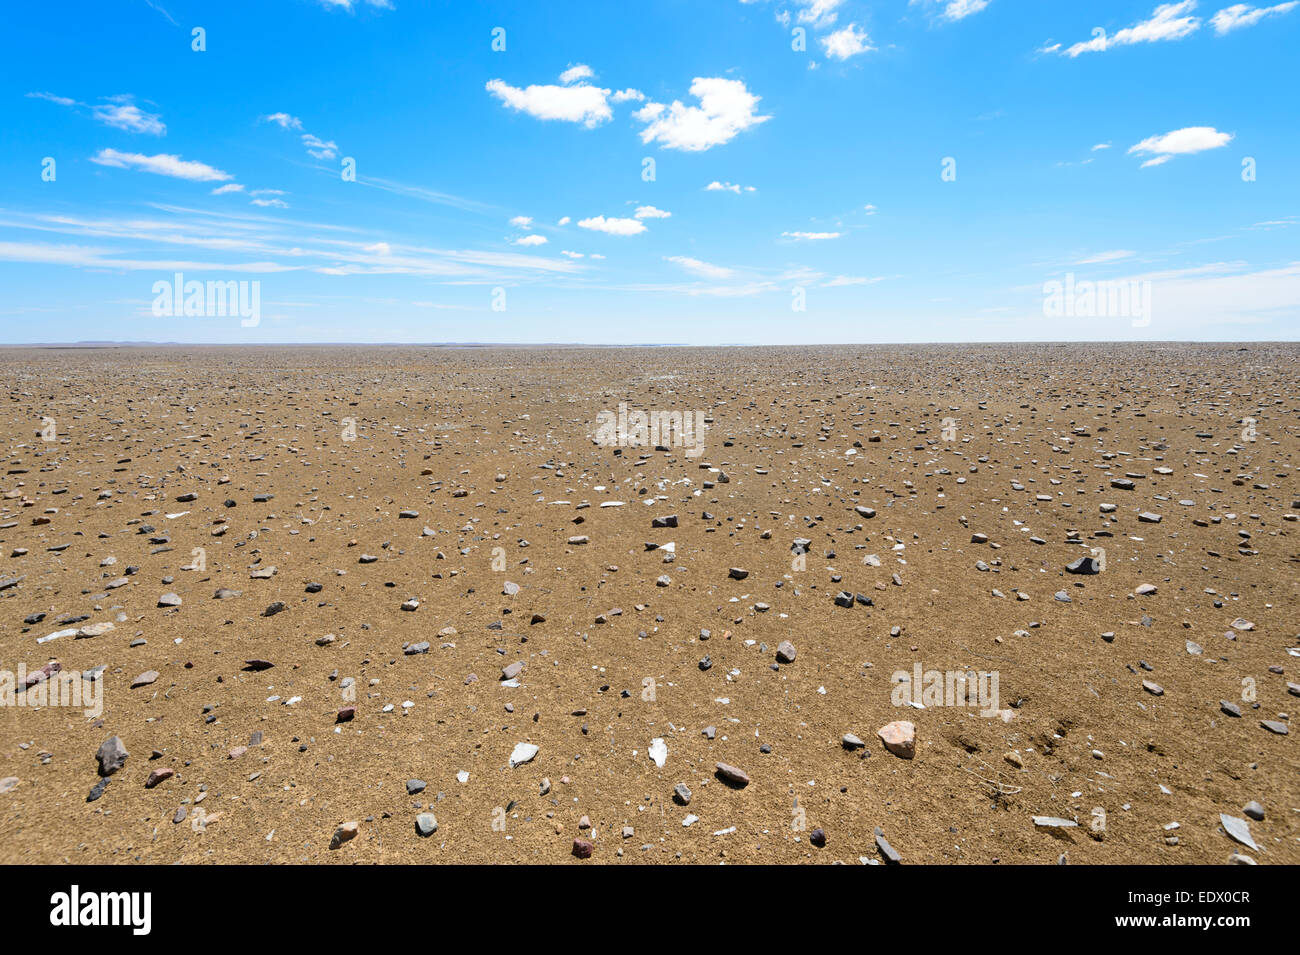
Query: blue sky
<point>920,170</point>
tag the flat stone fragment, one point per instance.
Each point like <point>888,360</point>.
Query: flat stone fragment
<point>344,833</point>
<point>889,852</point>
<point>522,753</point>
<point>899,738</point>
<point>732,774</point>
<point>144,679</point>
<point>1053,822</point>
<point>158,775</point>
<point>1238,829</point>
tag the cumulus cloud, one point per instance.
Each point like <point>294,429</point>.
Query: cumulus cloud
<point>162,164</point>
<point>531,239</point>
<point>726,109</point>
<point>716,186</point>
<point>847,42</point>
<point>650,212</point>
<point>612,225</point>
<point>581,103</point>
<point>1180,142</point>
<point>578,72</point>
<point>522,222</point>
<point>565,220</point>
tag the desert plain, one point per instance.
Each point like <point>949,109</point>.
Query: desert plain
<point>404,604</point>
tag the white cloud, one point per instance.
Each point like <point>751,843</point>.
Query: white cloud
<point>820,13</point>
<point>1100,146</point>
<point>954,10</point>
<point>522,222</point>
<point>161,164</point>
<point>350,5</point>
<point>531,239</point>
<point>704,269</point>
<point>622,96</point>
<point>573,104</point>
<point>1101,258</point>
<point>716,186</point>
<point>726,109</point>
<point>270,203</point>
<point>1167,22</point>
<point>869,209</point>
<point>284,120</point>
<point>121,113</point>
<point>847,42</point>
<point>1243,15</point>
<point>579,72</point>
<point>844,280</point>
<point>320,148</point>
<point>802,236</point>
<point>572,255</point>
<point>613,226</point>
<point>61,100</point>
<point>267,192</point>
<point>229,187</point>
<point>1180,142</point>
<point>650,212</point>
<point>565,220</point>
<point>960,9</point>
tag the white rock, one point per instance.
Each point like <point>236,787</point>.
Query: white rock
<point>523,753</point>
<point>658,751</point>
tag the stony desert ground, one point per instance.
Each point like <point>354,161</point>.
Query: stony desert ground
<point>323,595</point>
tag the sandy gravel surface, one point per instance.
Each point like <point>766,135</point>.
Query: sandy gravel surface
<point>942,490</point>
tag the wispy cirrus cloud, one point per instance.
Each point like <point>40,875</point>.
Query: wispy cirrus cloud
<point>1169,21</point>
<point>162,164</point>
<point>1241,15</point>
<point>953,10</point>
<point>697,267</point>
<point>119,112</point>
